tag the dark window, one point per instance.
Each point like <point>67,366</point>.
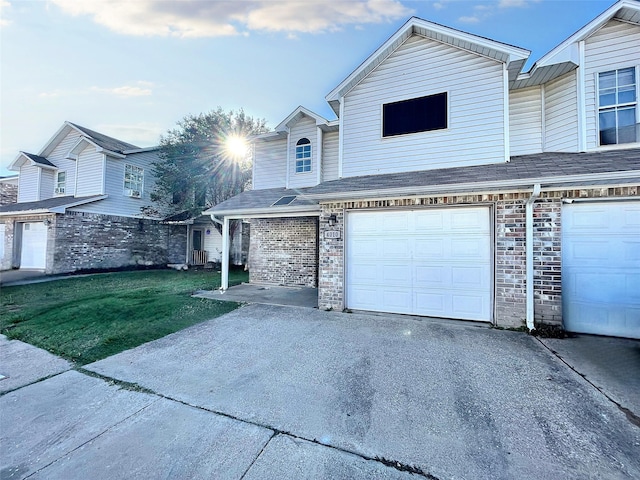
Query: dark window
<point>415,115</point>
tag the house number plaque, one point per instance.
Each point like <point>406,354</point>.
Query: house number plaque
<point>332,234</point>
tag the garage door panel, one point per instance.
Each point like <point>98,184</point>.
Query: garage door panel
<point>600,268</point>
<point>418,266</point>
<point>34,245</point>
<point>365,248</point>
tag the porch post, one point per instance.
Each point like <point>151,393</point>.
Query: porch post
<point>224,283</point>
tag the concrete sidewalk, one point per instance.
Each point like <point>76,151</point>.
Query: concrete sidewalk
<point>266,294</point>
<point>294,393</point>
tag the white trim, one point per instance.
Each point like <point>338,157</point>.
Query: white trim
<point>288,174</point>
<point>238,216</point>
<point>341,138</point>
<point>269,211</point>
<point>529,286</point>
<point>104,174</point>
<point>601,199</point>
<point>319,154</point>
<point>582,99</point>
<point>38,184</point>
<point>543,117</point>
<point>224,282</point>
<point>58,209</point>
<point>505,96</point>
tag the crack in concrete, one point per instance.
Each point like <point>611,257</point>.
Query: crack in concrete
<point>633,418</point>
<point>274,434</point>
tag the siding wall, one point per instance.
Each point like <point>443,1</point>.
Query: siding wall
<point>90,172</point>
<point>304,128</point>
<point>476,111</point>
<point>59,158</point>
<point>616,45</point>
<point>270,160</point>
<point>47,180</point>
<point>28,183</point>
<point>561,114</point>
<point>330,156</point>
<point>525,121</point>
<point>117,203</point>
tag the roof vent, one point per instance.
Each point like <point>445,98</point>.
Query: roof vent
<point>284,201</point>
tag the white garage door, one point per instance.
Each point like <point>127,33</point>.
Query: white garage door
<point>34,245</point>
<point>432,262</point>
<point>601,268</point>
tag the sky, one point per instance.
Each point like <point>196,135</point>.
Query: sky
<point>133,68</point>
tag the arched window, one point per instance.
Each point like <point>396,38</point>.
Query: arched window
<point>303,155</point>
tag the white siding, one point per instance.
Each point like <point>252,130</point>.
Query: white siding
<point>421,67</point>
<point>213,244</point>
<point>525,119</point>
<point>270,164</point>
<point>117,203</point>
<point>304,128</point>
<point>90,172</point>
<point>616,45</point>
<point>47,180</point>
<point>330,156</point>
<point>561,114</point>
<point>28,183</point>
<point>59,158</point>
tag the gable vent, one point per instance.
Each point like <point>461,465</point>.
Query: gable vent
<point>284,201</point>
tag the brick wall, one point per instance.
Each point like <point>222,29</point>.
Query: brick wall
<point>8,193</point>
<point>509,252</point>
<point>283,251</point>
<point>177,244</point>
<point>87,241</point>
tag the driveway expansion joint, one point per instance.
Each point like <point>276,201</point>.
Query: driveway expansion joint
<point>34,382</point>
<point>631,416</point>
<point>276,431</point>
<point>273,434</point>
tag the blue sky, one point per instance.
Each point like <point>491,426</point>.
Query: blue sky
<point>133,68</point>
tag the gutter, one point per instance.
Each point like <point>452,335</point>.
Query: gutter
<point>529,256</point>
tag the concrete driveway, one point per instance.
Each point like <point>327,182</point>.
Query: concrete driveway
<point>283,392</point>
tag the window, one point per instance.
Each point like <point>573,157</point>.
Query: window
<point>303,155</point>
<point>133,181</point>
<point>61,182</point>
<point>617,106</point>
<point>415,115</point>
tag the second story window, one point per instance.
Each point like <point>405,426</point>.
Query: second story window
<point>415,115</point>
<point>133,181</point>
<point>303,155</point>
<point>618,106</point>
<point>61,183</point>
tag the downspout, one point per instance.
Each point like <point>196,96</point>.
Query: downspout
<point>529,255</point>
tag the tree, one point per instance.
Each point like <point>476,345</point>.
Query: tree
<point>197,166</point>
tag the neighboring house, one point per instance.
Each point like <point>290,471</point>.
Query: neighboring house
<point>455,185</point>
<point>83,202</point>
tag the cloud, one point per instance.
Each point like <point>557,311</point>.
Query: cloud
<point>124,91</point>
<point>483,11</point>
<point>196,18</point>
<point>469,19</point>
<point>4,4</point>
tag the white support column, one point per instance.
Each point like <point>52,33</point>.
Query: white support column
<point>224,283</point>
<point>286,183</point>
<point>582,116</point>
<point>319,155</point>
<point>340,137</point>
<point>506,119</point>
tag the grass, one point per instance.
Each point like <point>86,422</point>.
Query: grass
<point>84,319</point>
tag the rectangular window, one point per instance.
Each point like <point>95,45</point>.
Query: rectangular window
<point>303,158</point>
<point>133,181</point>
<point>61,183</point>
<point>618,106</point>
<point>415,115</point>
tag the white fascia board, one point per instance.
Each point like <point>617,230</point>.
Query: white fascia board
<point>10,179</point>
<point>269,136</point>
<point>36,211</point>
<point>565,51</point>
<point>62,132</point>
<point>141,150</point>
<point>287,122</point>
<point>461,187</point>
<point>515,54</point>
<point>264,212</point>
<point>19,161</point>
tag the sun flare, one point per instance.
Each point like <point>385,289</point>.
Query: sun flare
<point>236,146</point>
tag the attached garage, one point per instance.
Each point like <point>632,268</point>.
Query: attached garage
<point>34,245</point>
<point>434,262</point>
<point>601,268</point>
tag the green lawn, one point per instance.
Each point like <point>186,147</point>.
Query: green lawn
<point>84,319</point>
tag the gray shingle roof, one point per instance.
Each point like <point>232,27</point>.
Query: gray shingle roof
<point>106,142</point>
<point>519,171</point>
<point>48,204</point>
<point>38,159</point>
<point>255,199</point>
<point>521,167</point>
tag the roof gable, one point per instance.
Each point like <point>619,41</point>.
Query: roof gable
<point>513,57</point>
<point>566,56</point>
<point>31,159</point>
<point>101,141</point>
